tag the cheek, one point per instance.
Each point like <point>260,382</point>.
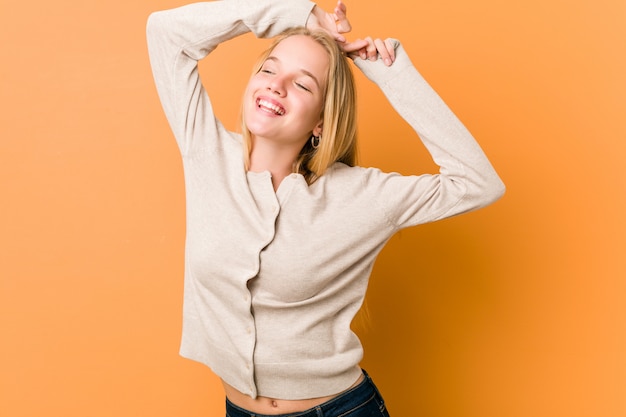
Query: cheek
<point>315,111</point>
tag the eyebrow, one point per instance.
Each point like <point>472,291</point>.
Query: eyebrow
<point>302,70</point>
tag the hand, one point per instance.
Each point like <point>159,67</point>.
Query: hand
<point>334,23</point>
<point>337,23</point>
<point>373,49</point>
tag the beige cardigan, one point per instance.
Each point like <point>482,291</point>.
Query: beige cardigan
<point>274,279</point>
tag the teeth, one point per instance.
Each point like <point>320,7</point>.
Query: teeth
<point>272,107</point>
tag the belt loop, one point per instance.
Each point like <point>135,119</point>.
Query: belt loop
<point>320,413</point>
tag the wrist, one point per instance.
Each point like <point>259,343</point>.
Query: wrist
<point>312,21</point>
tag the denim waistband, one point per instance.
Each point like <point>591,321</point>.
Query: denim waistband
<point>342,404</point>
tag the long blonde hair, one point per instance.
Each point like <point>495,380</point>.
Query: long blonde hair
<point>338,142</point>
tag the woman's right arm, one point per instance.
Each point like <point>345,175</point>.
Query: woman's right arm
<point>179,38</point>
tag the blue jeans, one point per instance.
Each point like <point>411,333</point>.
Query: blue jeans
<point>364,400</point>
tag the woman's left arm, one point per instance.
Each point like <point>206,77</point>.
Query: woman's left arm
<point>466,179</point>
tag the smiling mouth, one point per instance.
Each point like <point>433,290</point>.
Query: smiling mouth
<point>271,107</point>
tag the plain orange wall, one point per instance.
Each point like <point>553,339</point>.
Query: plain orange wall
<point>516,310</point>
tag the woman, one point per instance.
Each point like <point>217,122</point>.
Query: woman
<point>282,227</point>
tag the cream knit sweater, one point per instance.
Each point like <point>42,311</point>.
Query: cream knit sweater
<point>274,279</point>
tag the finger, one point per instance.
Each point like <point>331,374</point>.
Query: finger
<point>343,26</point>
<point>391,48</point>
<point>353,55</point>
<point>372,53</point>
<point>332,28</point>
<point>363,53</point>
<point>381,47</point>
<point>341,18</point>
<point>341,11</point>
<point>359,53</point>
<point>339,38</point>
<point>354,46</point>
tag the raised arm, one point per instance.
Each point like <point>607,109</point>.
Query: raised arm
<point>180,37</point>
<point>466,179</point>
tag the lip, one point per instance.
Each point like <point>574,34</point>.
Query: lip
<point>277,106</point>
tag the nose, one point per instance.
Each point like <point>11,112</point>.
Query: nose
<point>277,86</point>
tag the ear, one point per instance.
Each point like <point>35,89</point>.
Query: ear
<point>317,130</point>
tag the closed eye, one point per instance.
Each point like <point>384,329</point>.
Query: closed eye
<point>302,86</point>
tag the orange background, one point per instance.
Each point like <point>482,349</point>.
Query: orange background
<point>515,310</point>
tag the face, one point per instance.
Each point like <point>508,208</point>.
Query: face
<point>283,101</point>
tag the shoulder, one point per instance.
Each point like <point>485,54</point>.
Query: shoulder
<point>215,140</point>
<point>355,177</point>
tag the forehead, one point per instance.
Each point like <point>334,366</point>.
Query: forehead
<point>304,53</point>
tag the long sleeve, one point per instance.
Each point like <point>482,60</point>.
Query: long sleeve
<point>466,179</point>
<point>179,38</point>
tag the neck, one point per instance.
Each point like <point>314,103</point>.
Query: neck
<point>276,159</point>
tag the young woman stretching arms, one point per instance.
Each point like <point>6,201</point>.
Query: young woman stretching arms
<point>282,226</point>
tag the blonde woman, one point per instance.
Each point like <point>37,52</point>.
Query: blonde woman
<point>282,226</point>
